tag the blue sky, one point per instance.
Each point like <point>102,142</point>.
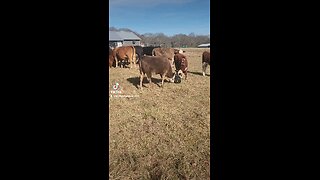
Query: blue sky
<point>161,16</point>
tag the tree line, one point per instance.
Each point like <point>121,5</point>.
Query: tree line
<point>160,39</point>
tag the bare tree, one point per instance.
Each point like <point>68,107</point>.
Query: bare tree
<point>160,39</point>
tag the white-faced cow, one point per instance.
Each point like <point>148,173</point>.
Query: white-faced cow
<point>155,65</point>
<point>181,63</point>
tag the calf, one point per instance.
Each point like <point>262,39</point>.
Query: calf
<point>155,65</point>
<point>181,63</point>
<point>205,61</point>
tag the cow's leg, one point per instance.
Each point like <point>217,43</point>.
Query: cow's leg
<point>113,63</point>
<point>149,78</point>
<point>133,63</point>
<point>129,62</point>
<point>162,77</point>
<point>204,67</point>
<point>116,60</point>
<point>126,62</point>
<point>141,79</point>
<point>172,79</point>
<point>180,73</point>
<point>120,62</point>
<point>137,59</point>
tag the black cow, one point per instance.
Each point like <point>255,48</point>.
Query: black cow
<point>139,52</point>
<point>148,50</point>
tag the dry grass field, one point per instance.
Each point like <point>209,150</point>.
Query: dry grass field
<point>160,133</point>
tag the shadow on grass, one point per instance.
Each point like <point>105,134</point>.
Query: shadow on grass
<point>198,73</point>
<point>136,81</point>
<point>122,65</point>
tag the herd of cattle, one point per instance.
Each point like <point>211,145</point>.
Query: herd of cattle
<point>155,60</point>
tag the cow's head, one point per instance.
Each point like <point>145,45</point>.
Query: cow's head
<point>181,51</point>
<point>177,77</point>
<point>180,62</point>
<point>176,51</point>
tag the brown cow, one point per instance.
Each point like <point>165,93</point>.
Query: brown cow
<point>181,63</point>
<point>205,61</point>
<point>125,53</point>
<point>155,65</point>
<point>167,52</point>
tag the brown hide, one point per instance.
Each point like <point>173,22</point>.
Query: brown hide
<point>205,61</point>
<point>155,65</point>
<point>181,63</point>
<point>111,58</point>
<point>168,52</point>
<point>206,57</point>
<point>125,53</point>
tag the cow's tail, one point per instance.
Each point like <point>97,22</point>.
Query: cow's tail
<point>203,56</point>
<point>140,65</point>
<point>153,52</point>
<point>114,54</point>
<point>140,59</point>
<point>134,55</point>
